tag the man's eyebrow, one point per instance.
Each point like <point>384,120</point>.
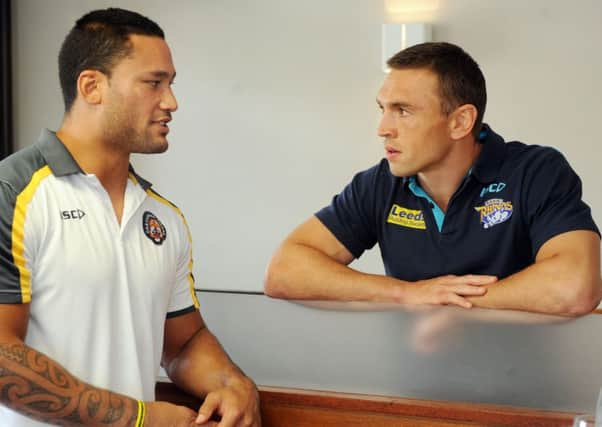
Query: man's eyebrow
<point>403,105</point>
<point>398,104</point>
<point>163,75</point>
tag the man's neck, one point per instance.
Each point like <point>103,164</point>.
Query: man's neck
<point>110,166</point>
<point>95,157</point>
<point>442,182</point>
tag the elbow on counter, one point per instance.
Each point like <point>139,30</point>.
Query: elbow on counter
<point>585,296</point>
<point>274,279</point>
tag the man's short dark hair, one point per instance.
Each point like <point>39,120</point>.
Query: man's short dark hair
<point>460,78</point>
<point>98,41</point>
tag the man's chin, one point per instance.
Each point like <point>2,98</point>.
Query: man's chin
<point>154,147</point>
<point>399,171</point>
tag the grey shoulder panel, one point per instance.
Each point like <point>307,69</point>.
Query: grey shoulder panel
<point>10,285</point>
<point>17,169</point>
<point>16,172</point>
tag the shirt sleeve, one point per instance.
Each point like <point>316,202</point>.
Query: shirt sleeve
<point>11,249</point>
<point>352,215</point>
<point>183,298</point>
<point>553,199</point>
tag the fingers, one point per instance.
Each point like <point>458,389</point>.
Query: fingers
<point>472,279</point>
<point>468,290</point>
<point>234,405</point>
<point>454,290</point>
<point>209,406</point>
<point>455,299</point>
<point>235,417</point>
<point>230,419</point>
<point>467,285</point>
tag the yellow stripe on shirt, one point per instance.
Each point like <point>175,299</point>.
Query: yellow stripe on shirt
<point>155,196</point>
<point>133,178</point>
<point>18,230</point>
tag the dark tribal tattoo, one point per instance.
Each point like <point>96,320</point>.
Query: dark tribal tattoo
<point>36,386</point>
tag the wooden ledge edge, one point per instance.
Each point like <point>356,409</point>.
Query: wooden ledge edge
<point>444,410</point>
<point>501,415</point>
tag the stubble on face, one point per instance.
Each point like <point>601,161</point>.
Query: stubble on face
<point>415,131</point>
<point>121,133</point>
<point>136,105</point>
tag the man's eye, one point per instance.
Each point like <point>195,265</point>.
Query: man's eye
<point>153,83</point>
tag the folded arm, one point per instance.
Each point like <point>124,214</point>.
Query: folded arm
<point>564,280</point>
<point>312,264</point>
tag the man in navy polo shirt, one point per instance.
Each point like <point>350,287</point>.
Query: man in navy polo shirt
<point>461,216</point>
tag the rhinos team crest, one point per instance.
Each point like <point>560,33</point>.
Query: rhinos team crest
<point>494,212</point>
<point>153,228</point>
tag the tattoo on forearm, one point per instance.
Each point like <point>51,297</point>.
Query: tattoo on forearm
<point>36,386</point>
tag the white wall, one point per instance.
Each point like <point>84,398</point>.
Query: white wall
<point>277,103</point>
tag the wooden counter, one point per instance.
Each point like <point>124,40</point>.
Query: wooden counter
<point>286,407</point>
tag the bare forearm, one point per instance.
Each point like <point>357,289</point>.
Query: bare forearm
<point>553,286</point>
<point>203,366</point>
<point>301,272</point>
<point>33,384</point>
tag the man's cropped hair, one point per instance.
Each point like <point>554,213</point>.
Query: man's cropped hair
<point>460,78</point>
<point>98,41</point>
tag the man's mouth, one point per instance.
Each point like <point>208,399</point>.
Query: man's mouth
<point>163,121</point>
<point>390,151</point>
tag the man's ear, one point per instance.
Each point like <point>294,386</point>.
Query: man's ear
<point>462,120</point>
<point>89,86</point>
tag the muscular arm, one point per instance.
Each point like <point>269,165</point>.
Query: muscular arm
<point>35,385</point>
<point>564,280</point>
<point>195,361</point>
<point>312,264</point>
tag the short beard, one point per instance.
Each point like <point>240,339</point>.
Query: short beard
<point>120,135</point>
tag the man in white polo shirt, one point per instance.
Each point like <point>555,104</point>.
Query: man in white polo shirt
<point>96,284</point>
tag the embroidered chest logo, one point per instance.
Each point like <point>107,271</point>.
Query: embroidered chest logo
<point>406,217</point>
<point>496,187</point>
<point>153,228</point>
<point>494,212</point>
<point>73,214</point>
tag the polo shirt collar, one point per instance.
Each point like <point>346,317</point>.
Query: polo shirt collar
<point>489,162</point>
<point>62,163</point>
<point>58,158</point>
<point>143,182</point>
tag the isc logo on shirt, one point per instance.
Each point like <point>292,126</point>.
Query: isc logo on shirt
<point>406,217</point>
<point>73,214</point>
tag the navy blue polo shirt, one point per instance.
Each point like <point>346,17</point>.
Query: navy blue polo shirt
<point>515,198</point>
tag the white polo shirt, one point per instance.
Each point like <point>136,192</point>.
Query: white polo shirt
<point>99,291</point>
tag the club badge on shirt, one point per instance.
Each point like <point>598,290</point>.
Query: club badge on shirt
<point>153,228</point>
<point>494,212</point>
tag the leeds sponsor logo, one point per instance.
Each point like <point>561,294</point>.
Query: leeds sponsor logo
<point>494,212</point>
<point>73,214</point>
<point>153,228</point>
<point>406,217</point>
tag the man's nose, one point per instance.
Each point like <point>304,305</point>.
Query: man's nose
<point>168,102</point>
<point>386,127</point>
